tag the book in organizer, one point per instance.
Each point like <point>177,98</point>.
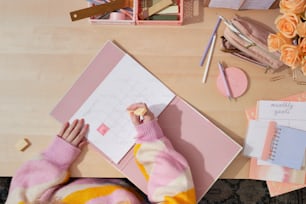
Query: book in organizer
<point>279,179</point>
<point>112,81</point>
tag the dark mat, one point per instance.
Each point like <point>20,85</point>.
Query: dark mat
<point>232,191</point>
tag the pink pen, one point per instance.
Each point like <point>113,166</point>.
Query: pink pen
<point>224,79</point>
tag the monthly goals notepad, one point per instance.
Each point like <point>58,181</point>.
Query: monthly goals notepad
<point>208,150</point>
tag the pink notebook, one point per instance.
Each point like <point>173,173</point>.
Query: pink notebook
<point>207,148</point>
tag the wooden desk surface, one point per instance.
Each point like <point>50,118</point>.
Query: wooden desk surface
<point>42,53</point>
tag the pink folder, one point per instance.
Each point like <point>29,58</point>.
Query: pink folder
<point>208,150</point>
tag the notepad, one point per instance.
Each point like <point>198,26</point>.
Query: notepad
<point>276,144</point>
<point>285,147</point>
<point>241,4</point>
<point>281,110</point>
<point>233,4</point>
<point>255,4</point>
<point>256,136</point>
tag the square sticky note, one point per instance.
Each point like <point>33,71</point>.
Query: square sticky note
<point>103,129</point>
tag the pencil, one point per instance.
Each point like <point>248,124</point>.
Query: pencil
<point>210,41</point>
<point>225,81</point>
<point>209,59</point>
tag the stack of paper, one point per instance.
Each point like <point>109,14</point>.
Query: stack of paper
<point>276,142</point>
<point>241,4</point>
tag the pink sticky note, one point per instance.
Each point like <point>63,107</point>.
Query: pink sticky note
<point>103,129</point>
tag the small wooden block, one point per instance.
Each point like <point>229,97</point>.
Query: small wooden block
<point>140,111</point>
<point>22,144</point>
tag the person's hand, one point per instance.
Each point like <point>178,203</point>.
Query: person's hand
<point>74,133</point>
<point>137,120</point>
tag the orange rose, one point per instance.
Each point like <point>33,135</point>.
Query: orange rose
<point>292,6</point>
<point>291,56</point>
<point>275,41</point>
<point>287,23</point>
<point>301,29</point>
<point>302,46</point>
<point>303,67</point>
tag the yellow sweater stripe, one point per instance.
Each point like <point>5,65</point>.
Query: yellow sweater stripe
<point>139,164</point>
<point>187,197</point>
<point>85,195</point>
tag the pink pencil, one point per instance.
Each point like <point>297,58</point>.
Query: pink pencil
<point>224,78</point>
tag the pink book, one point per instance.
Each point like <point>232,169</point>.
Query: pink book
<point>208,150</point>
<point>279,180</point>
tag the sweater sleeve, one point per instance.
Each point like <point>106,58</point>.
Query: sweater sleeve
<point>166,171</point>
<point>38,176</point>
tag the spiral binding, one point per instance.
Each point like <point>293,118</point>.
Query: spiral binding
<point>274,143</point>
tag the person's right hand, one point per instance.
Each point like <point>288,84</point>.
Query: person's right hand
<point>137,120</point>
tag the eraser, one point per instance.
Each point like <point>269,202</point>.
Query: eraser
<point>22,144</point>
<point>117,16</point>
<point>140,111</point>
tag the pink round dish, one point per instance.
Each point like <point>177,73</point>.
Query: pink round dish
<point>237,80</point>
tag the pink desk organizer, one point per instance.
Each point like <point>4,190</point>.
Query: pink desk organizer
<point>128,20</point>
<point>160,22</point>
<point>134,19</point>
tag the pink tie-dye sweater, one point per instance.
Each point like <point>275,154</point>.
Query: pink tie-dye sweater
<point>46,178</point>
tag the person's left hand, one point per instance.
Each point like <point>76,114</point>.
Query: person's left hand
<point>74,133</point>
